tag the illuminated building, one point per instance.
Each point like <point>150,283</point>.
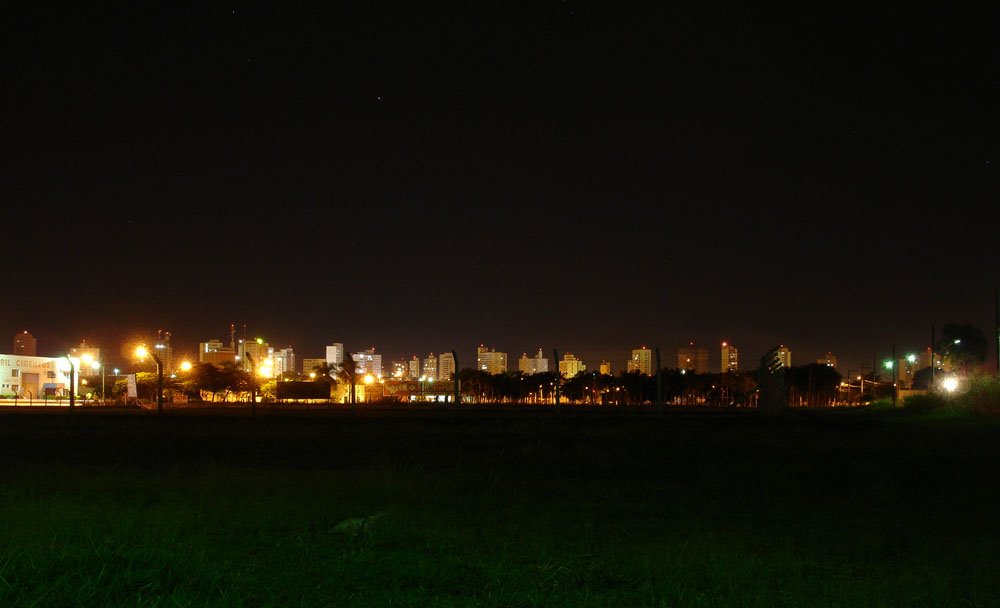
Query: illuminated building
<point>785,356</point>
<point>335,354</point>
<point>215,352</point>
<point>571,366</point>
<point>641,361</point>
<point>414,367</point>
<point>730,358</point>
<point>257,349</point>
<point>488,360</point>
<point>605,368</point>
<point>309,365</point>
<point>446,366</point>
<point>429,371</point>
<point>284,361</point>
<point>692,359</point>
<point>400,369</point>
<point>30,377</point>
<point>25,344</point>
<point>828,360</point>
<point>86,352</point>
<point>367,362</point>
<point>164,351</point>
<point>533,365</point>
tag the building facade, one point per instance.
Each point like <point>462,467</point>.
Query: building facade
<point>309,365</point>
<point>28,377</point>
<point>571,366</point>
<point>335,354</point>
<point>489,360</point>
<point>692,359</point>
<point>429,369</point>
<point>25,344</point>
<point>641,361</point>
<point>730,358</point>
<point>446,366</point>
<point>533,365</point>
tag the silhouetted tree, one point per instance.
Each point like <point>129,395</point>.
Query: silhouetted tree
<point>962,346</point>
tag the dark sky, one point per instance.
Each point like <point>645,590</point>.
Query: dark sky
<point>581,177</point>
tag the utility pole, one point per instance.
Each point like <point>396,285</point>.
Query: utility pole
<point>253,383</point>
<point>895,391</point>
<point>932,357</point>
<point>555,360</point>
<point>458,394</point>
<point>72,384</point>
<point>659,382</point>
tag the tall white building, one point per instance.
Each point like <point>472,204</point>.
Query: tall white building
<point>429,371</point>
<point>641,361</point>
<point>414,367</point>
<point>533,365</point>
<point>489,360</point>
<point>571,366</point>
<point>284,361</point>
<point>367,362</point>
<point>730,358</point>
<point>446,366</point>
<point>335,354</point>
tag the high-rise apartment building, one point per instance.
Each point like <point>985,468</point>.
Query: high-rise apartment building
<point>25,344</point>
<point>571,366</point>
<point>605,368</point>
<point>164,351</point>
<point>87,355</point>
<point>429,370</point>
<point>335,354</point>
<point>368,362</point>
<point>828,360</point>
<point>730,358</point>
<point>533,365</point>
<point>446,366</point>
<point>414,367</point>
<point>692,359</point>
<point>309,366</point>
<point>785,356</point>
<point>257,349</point>
<point>641,361</point>
<point>489,360</point>
<point>284,361</point>
<point>215,352</point>
<point>400,369</point>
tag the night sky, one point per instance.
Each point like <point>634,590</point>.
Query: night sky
<point>580,177</point>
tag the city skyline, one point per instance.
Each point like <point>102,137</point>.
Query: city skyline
<point>560,176</point>
<point>622,359</point>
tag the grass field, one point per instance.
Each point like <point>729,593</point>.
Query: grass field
<point>498,508</point>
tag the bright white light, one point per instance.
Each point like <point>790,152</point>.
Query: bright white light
<point>950,384</point>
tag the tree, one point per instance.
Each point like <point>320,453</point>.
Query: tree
<point>962,346</point>
<point>348,372</point>
<point>813,384</point>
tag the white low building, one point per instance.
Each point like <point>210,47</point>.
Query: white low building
<point>34,377</point>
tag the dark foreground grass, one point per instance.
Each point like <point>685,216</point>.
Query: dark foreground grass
<point>499,509</point>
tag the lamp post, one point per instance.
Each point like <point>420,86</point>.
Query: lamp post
<point>253,385</point>
<point>890,364</point>
<point>72,382</point>
<point>142,352</point>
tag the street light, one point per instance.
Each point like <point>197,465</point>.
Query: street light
<point>891,366</point>
<point>72,382</point>
<point>142,352</point>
